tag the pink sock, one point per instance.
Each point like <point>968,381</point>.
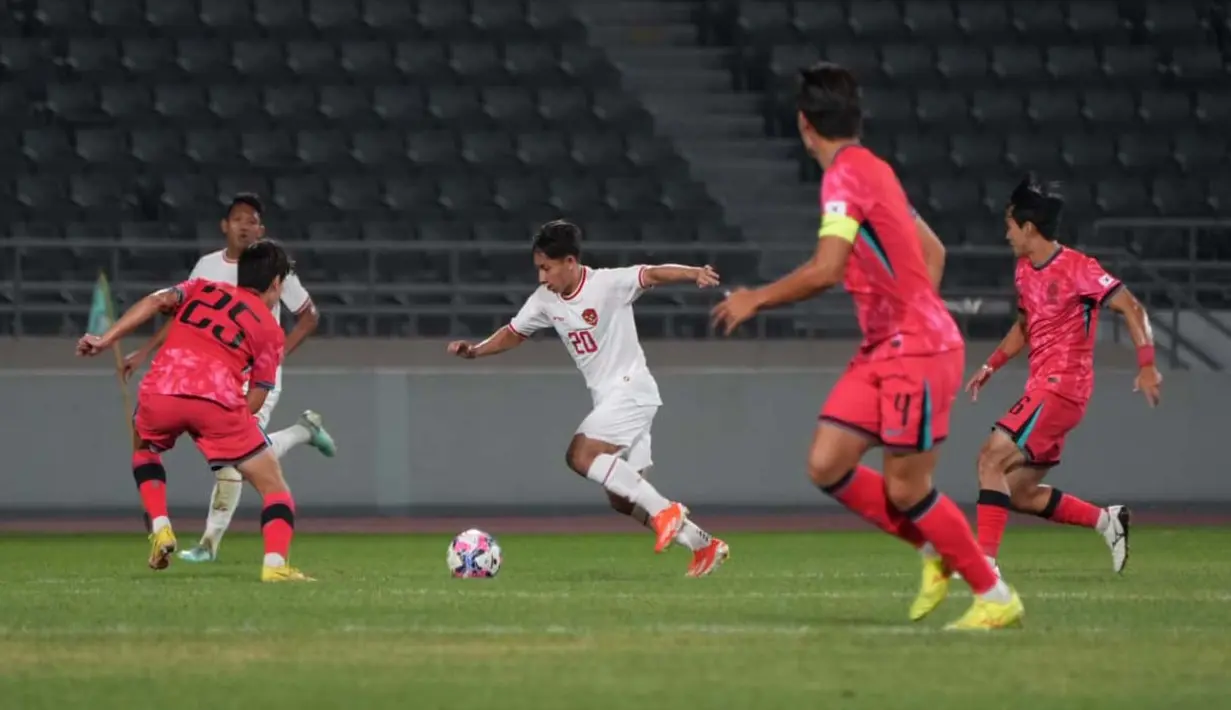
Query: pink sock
<point>1071,510</point>
<point>944,525</point>
<point>862,491</point>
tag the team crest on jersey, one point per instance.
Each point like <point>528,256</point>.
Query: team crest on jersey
<point>590,316</point>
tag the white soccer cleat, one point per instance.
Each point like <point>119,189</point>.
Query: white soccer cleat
<point>1115,534</point>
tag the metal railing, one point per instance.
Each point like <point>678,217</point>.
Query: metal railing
<point>415,280</point>
<point>1182,261</point>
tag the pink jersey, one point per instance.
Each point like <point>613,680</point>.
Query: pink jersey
<point>1060,299</point>
<point>899,310</point>
<point>222,337</point>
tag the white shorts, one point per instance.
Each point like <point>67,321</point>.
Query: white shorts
<point>625,424</point>
<point>267,409</point>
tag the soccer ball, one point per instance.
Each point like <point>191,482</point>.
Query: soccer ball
<point>474,553</point>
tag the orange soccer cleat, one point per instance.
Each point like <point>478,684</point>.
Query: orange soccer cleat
<point>708,558</point>
<point>667,524</point>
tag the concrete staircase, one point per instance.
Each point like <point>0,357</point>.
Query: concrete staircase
<point>719,131</point>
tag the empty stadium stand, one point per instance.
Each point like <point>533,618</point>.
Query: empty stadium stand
<point>371,120</point>
<point>384,133</point>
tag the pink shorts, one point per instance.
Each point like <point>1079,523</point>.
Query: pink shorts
<point>1039,423</point>
<point>225,437</point>
<point>902,403</point>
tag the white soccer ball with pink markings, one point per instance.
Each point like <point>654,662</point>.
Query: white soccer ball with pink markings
<point>474,554</point>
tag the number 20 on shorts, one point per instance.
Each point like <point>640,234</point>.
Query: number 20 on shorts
<point>583,341</point>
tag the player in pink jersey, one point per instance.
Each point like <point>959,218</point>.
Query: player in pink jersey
<point>221,338</point>
<point>899,388</point>
<point>1060,292</point>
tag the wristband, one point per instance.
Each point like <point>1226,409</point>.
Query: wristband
<point>1145,356</point>
<point>997,360</point>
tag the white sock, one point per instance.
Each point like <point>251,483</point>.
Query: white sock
<point>929,552</point>
<point>690,534</point>
<point>288,438</point>
<point>159,523</point>
<point>1000,593</point>
<point>228,486</point>
<point>1103,521</point>
<point>614,474</point>
<point>273,559</point>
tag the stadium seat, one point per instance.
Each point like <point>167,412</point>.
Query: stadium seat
<point>1033,151</point>
<point>1074,64</point>
<point>367,60</point>
<point>345,105</point>
<point>1041,21</point>
<point>876,20</point>
<point>1017,64</point>
<point>1179,197</point>
<point>377,148</point>
<point>95,59</point>
<point>212,147</point>
<point>1134,65</point>
<point>330,16</point>
<point>822,21</point>
<point>909,64</point>
<point>1087,152</point>
<point>173,15</point>
<point>1200,153</point>
<point>976,151</point>
<point>104,146</point>
<point>1143,152</point>
<point>930,21</point>
<point>992,108</point>
<point>289,103</point>
<point>225,16</point>
<point>983,21</point>
<point>267,149</point>
<point>962,64</point>
<point>1096,20</point>
<point>941,107</point>
<point>157,146</point>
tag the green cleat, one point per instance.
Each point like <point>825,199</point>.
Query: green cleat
<point>321,440</point>
<point>198,553</point>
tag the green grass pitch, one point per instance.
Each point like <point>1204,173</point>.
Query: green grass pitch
<point>598,621</point>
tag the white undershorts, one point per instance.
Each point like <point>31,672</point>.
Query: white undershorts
<point>626,424</point>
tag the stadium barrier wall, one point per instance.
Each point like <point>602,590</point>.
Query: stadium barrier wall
<point>478,437</point>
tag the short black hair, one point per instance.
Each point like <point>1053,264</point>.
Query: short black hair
<point>828,97</point>
<point>1039,204</point>
<point>558,239</point>
<point>246,198</point>
<point>262,262</point>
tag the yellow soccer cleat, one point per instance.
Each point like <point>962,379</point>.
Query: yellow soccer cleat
<point>933,588</point>
<point>162,546</point>
<point>285,573</point>
<point>984,615</point>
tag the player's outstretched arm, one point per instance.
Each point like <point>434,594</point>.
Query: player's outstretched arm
<point>134,359</point>
<point>498,342</point>
<point>703,276</point>
<point>1138,321</point>
<point>164,301</point>
<point>824,270</point>
<point>933,251</point>
<point>1008,349</point>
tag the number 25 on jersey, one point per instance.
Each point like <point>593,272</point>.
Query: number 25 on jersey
<point>583,342</point>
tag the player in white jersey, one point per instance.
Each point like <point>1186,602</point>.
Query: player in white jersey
<point>242,226</point>
<point>591,310</point>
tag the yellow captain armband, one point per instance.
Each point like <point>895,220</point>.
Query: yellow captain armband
<point>838,225</point>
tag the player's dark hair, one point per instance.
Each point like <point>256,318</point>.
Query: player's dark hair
<point>558,239</point>
<point>262,262</point>
<point>246,198</point>
<point>828,97</point>
<point>1039,204</point>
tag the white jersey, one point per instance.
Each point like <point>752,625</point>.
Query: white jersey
<point>597,326</point>
<point>215,266</point>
